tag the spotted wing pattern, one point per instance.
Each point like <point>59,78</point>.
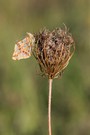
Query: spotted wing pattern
<point>23,48</point>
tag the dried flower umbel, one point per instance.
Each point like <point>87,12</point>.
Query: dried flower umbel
<point>52,50</point>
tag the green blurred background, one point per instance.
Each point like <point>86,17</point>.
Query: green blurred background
<point>23,92</point>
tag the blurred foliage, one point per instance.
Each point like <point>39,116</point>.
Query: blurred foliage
<point>23,92</point>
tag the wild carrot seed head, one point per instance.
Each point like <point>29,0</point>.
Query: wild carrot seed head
<point>53,51</point>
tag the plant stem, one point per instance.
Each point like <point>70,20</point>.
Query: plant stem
<point>49,106</point>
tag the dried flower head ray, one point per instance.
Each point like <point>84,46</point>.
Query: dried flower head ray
<point>39,73</point>
<point>41,65</point>
<point>43,58</point>
<point>44,53</point>
<point>58,61</point>
<point>66,29</point>
<point>61,68</point>
<point>64,64</point>
<point>60,74</point>
<point>42,62</point>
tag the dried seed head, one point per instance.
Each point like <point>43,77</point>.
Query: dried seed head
<point>53,51</point>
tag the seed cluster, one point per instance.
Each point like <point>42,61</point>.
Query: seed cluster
<point>53,50</point>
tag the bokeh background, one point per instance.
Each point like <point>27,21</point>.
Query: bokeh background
<point>23,92</point>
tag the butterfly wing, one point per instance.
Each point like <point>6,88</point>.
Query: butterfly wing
<point>23,48</point>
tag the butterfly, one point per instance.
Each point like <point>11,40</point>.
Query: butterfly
<point>23,48</point>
